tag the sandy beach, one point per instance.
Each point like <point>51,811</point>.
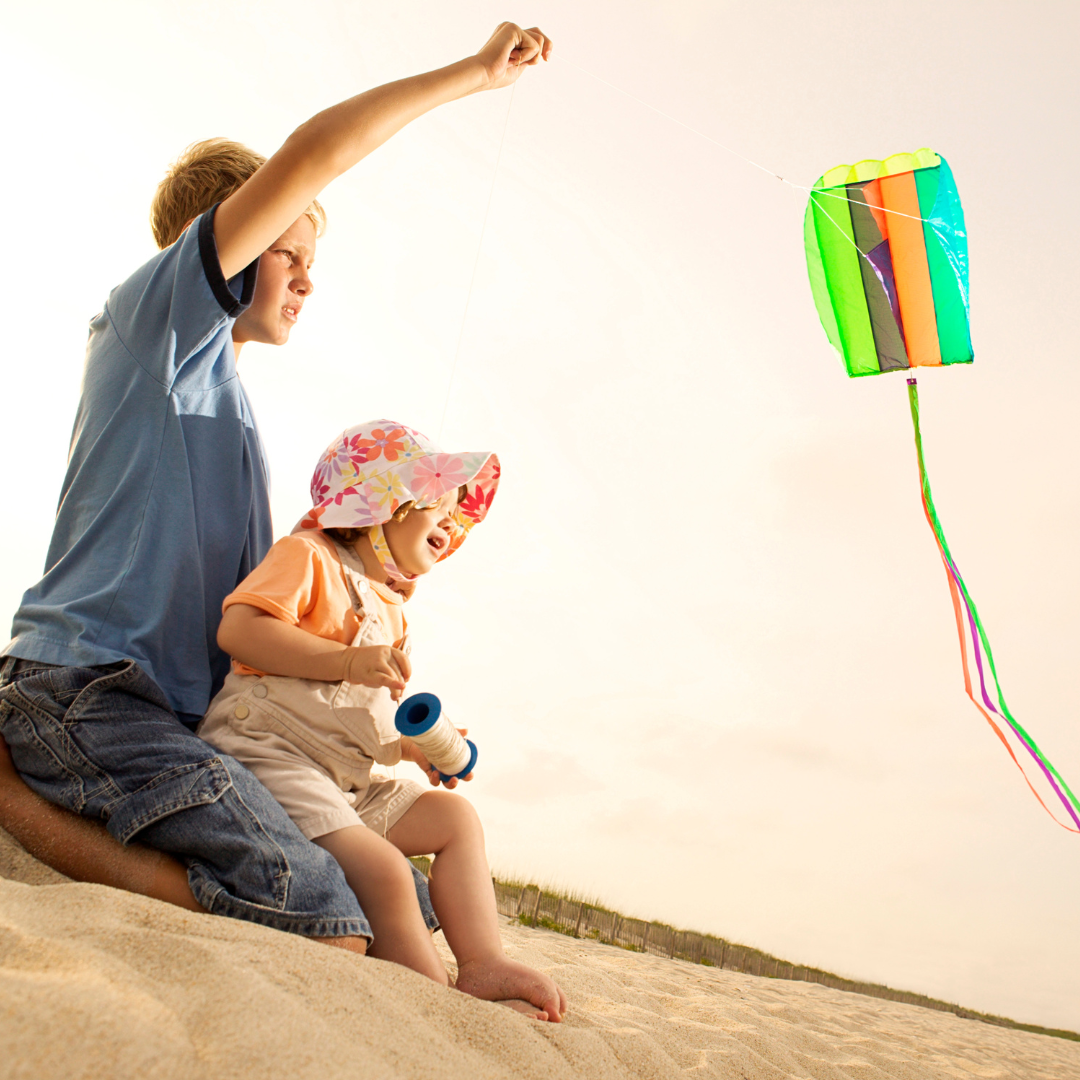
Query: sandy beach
<point>98,983</point>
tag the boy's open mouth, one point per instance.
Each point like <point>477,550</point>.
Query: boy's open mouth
<point>292,312</point>
<point>437,542</point>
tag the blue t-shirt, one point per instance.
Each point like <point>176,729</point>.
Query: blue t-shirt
<point>165,506</point>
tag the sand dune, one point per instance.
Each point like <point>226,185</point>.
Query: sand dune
<point>96,983</point>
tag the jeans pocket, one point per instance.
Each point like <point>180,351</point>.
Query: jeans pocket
<point>178,789</point>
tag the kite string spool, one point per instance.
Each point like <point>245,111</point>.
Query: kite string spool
<point>422,719</point>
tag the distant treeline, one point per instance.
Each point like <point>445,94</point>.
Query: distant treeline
<point>571,915</point>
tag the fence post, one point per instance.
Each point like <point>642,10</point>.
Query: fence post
<point>645,937</point>
<point>558,911</point>
<point>616,923</point>
<point>577,925</point>
<point>521,899</point>
<point>536,906</point>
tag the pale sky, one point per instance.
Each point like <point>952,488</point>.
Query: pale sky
<point>704,641</point>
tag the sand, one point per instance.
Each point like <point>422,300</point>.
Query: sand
<point>97,983</point>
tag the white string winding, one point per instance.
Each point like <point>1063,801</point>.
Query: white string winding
<point>444,746</point>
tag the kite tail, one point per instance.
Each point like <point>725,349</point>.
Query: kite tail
<point>964,606</point>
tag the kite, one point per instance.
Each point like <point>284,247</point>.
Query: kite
<point>886,251</point>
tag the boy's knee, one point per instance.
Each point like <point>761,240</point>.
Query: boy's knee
<point>246,859</point>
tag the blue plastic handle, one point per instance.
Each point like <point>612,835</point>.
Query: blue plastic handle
<point>473,755</point>
<point>417,714</point>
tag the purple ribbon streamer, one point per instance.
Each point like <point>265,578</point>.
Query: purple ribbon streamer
<point>950,566</point>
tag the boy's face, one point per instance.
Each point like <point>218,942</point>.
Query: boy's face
<point>418,542</point>
<point>281,288</point>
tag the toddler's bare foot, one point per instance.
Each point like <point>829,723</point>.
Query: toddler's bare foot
<point>526,1008</point>
<point>498,978</point>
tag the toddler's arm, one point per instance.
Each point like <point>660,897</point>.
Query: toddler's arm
<point>262,641</point>
<point>333,141</point>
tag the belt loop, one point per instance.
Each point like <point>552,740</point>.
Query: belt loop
<point>7,669</point>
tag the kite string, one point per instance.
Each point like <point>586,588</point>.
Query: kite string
<point>476,264</point>
<point>812,193</point>
<point>728,149</point>
<point>676,120</point>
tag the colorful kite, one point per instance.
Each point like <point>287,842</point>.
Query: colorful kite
<point>886,251</point>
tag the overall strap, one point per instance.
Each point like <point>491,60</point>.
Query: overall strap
<point>351,568</point>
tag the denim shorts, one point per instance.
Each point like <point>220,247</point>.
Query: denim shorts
<point>103,742</point>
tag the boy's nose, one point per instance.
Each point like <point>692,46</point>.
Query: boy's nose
<point>302,285</point>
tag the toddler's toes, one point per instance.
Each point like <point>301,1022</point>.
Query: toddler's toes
<point>526,1008</point>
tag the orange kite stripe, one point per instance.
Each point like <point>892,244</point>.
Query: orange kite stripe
<point>913,289</point>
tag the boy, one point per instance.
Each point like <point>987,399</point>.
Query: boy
<point>164,510</point>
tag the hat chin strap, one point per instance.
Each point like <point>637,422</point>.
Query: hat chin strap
<point>382,553</point>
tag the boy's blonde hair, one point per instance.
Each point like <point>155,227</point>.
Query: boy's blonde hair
<point>206,173</point>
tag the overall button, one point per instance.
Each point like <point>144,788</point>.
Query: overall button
<point>260,690</point>
<point>241,712</point>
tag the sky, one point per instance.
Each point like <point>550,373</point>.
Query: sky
<point>704,640</point>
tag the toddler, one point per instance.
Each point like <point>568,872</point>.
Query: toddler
<point>318,641</point>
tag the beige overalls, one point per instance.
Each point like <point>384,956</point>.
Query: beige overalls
<point>312,744</point>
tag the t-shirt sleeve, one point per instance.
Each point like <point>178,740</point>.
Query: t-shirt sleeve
<point>177,302</point>
<point>286,584</point>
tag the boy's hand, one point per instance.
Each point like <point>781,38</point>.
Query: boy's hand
<point>411,752</point>
<point>509,51</point>
<point>377,666</point>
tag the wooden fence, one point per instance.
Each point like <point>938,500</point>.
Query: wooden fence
<point>530,905</point>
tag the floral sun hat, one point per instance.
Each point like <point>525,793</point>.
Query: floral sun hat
<point>372,469</point>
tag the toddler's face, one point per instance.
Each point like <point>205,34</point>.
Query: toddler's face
<point>418,542</point>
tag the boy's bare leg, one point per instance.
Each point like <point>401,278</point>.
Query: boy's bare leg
<point>464,900</point>
<point>384,884</point>
<point>84,850</point>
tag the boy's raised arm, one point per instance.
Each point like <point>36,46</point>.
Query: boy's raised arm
<point>332,141</point>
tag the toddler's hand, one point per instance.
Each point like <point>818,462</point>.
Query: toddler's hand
<point>411,752</point>
<point>377,666</point>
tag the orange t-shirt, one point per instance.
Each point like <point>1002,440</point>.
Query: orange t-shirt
<point>301,582</point>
